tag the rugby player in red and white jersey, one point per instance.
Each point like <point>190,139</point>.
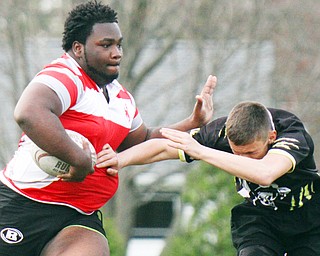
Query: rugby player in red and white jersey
<point>46,215</point>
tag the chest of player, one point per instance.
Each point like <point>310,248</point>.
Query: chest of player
<point>99,121</point>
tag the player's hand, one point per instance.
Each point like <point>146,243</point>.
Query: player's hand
<point>79,173</point>
<point>203,109</point>
<point>183,141</point>
<point>107,158</point>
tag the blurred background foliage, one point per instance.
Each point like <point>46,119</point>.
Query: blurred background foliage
<point>211,194</point>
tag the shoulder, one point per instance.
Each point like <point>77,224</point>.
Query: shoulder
<point>210,134</point>
<point>216,125</point>
<point>286,120</point>
<point>281,113</point>
<point>292,136</point>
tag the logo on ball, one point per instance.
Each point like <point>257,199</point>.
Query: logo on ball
<point>61,167</point>
<point>55,166</point>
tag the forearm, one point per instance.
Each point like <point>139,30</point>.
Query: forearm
<point>51,137</point>
<point>151,151</point>
<point>260,171</point>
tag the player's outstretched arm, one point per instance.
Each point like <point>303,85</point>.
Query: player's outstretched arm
<point>151,151</point>
<point>260,171</point>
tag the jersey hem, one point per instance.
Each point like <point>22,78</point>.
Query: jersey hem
<point>6,182</point>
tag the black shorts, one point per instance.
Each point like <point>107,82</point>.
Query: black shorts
<point>27,226</point>
<point>294,232</point>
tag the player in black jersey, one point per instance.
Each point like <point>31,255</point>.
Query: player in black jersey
<point>270,153</point>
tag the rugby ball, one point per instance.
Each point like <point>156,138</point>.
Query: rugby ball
<point>53,165</point>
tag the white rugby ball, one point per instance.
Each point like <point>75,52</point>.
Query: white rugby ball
<point>53,165</point>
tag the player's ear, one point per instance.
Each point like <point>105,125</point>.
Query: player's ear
<point>272,136</point>
<point>77,49</point>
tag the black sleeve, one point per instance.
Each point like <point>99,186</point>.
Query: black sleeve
<point>292,136</point>
<point>211,135</point>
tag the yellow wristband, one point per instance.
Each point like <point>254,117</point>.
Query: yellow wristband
<point>182,156</point>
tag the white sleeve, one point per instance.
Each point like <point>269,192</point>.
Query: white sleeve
<point>54,82</point>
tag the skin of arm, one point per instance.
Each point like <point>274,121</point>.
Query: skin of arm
<point>201,115</point>
<point>37,113</point>
<point>150,151</point>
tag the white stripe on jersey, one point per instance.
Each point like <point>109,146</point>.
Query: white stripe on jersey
<point>98,107</point>
<point>58,88</point>
<point>70,62</point>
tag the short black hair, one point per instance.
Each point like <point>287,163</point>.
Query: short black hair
<point>79,23</point>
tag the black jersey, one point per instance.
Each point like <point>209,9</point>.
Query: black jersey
<point>291,190</point>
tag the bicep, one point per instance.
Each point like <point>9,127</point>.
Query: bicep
<point>37,98</point>
<point>37,113</point>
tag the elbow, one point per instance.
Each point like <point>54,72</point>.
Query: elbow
<point>265,180</point>
<point>24,118</point>
<point>19,117</point>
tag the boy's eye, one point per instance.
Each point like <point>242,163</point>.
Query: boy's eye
<point>119,46</point>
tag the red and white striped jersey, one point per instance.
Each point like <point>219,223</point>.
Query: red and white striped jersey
<point>86,111</point>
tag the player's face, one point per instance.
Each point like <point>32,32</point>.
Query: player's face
<point>103,53</point>
<point>257,149</point>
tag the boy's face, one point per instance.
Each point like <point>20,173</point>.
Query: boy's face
<point>256,150</point>
<point>102,53</point>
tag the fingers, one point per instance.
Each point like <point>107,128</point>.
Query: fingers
<point>203,109</point>
<point>112,171</point>
<point>174,135</point>
<point>177,133</point>
<point>68,178</point>
<point>207,90</point>
<point>72,176</point>
<point>107,158</point>
<point>209,86</point>
<point>86,148</point>
<point>178,139</point>
<point>107,146</point>
<point>182,141</point>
